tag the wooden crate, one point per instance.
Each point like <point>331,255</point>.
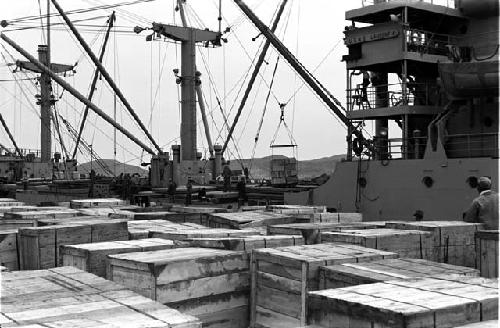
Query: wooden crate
<point>352,274</point>
<point>312,231</point>
<point>9,224</point>
<point>68,297</point>
<point>281,278</point>
<point>97,202</point>
<point>482,324</point>
<point>42,214</point>
<point>453,241</point>
<point>336,217</point>
<point>197,209</point>
<point>242,220</point>
<point>39,247</point>
<point>422,302</point>
<point>142,228</point>
<point>487,253</point>
<point>407,243</point>
<point>296,209</point>
<point>92,257</point>
<point>200,233</point>
<point>210,284</point>
<point>9,257</point>
<point>112,212</point>
<point>247,243</point>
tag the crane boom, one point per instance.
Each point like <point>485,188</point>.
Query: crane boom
<point>255,73</point>
<point>75,93</point>
<point>105,74</point>
<point>308,78</point>
<point>111,21</point>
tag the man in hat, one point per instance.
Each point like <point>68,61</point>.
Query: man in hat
<point>484,209</point>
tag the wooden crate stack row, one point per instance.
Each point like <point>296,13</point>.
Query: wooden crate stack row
<point>352,274</point>
<point>242,220</point>
<point>482,324</point>
<point>92,257</point>
<point>7,202</point>
<point>197,209</point>
<point>281,278</point>
<point>407,243</point>
<point>336,217</point>
<point>113,212</point>
<point>422,302</point>
<point>296,209</point>
<point>39,247</point>
<point>17,219</point>
<point>142,229</point>
<point>312,232</point>
<point>98,202</point>
<point>454,241</point>
<point>68,297</point>
<point>9,257</point>
<point>247,243</point>
<point>487,253</point>
<point>200,233</point>
<point>210,284</point>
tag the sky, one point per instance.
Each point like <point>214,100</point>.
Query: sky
<point>312,30</point>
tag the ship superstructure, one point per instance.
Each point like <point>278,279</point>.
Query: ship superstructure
<point>426,76</point>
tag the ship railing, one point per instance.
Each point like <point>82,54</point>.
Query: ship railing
<point>472,145</point>
<point>426,42</point>
<point>445,3</point>
<point>24,151</point>
<point>400,148</point>
<point>392,95</point>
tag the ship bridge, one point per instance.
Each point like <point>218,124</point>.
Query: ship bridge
<point>394,48</point>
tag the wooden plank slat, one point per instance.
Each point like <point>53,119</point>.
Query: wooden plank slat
<point>210,283</point>
<point>289,273</point>
<point>67,297</point>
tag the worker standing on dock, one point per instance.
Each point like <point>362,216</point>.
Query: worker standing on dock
<point>172,187</point>
<point>484,209</point>
<point>226,174</point>
<point>242,191</point>
<point>189,190</point>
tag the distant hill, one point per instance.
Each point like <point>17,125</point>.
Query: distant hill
<point>120,168</point>
<point>259,167</point>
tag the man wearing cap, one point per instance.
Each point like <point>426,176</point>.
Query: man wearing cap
<point>484,209</point>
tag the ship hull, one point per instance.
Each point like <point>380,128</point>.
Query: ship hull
<point>395,190</point>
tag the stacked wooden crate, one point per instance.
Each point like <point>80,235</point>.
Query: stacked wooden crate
<point>210,284</point>
<point>68,297</point>
<point>200,233</point>
<point>16,219</point>
<point>281,278</point>
<point>312,232</point>
<point>352,274</point>
<point>487,253</point>
<point>92,257</point>
<point>284,171</point>
<point>97,202</point>
<point>454,241</point>
<point>423,302</point>
<point>482,324</point>
<point>116,213</point>
<point>7,202</point>
<point>39,247</point>
<point>142,228</point>
<point>9,257</point>
<point>296,209</point>
<point>407,243</point>
<point>242,220</point>
<point>247,243</point>
<point>336,217</point>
